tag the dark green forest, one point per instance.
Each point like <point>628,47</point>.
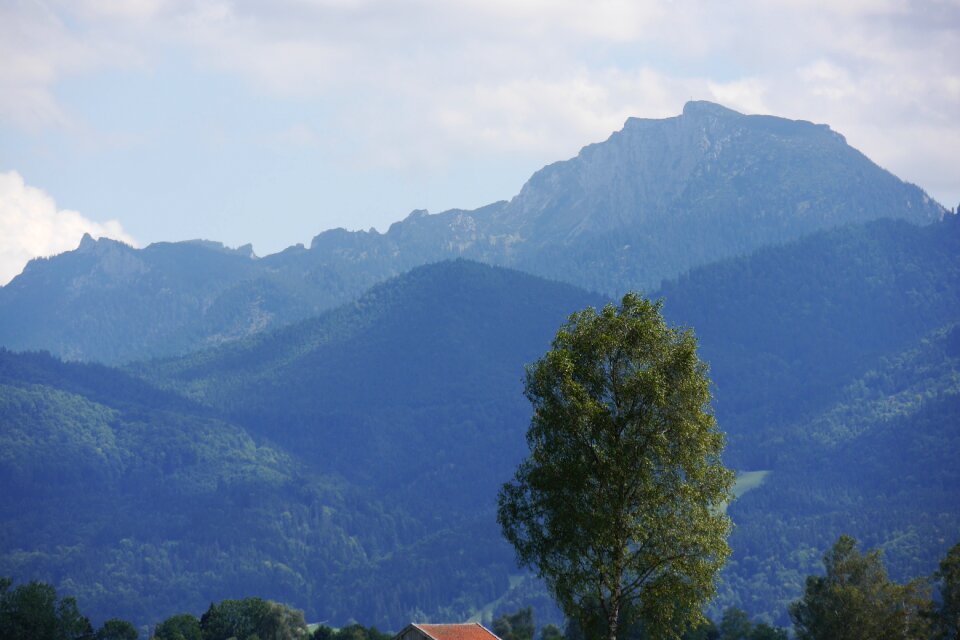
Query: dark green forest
<point>853,598</point>
<point>348,465</point>
<point>836,364</point>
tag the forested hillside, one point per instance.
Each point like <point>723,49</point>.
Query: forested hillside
<point>371,509</point>
<point>787,331</point>
<point>787,328</point>
<point>835,365</point>
<point>878,464</point>
<point>109,302</point>
<point>140,505</point>
<point>415,389</point>
<point>348,464</point>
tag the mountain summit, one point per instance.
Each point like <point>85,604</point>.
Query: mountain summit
<point>656,199</point>
<point>660,197</point>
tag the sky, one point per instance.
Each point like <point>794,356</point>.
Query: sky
<point>267,122</point>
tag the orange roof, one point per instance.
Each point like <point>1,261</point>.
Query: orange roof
<point>467,631</point>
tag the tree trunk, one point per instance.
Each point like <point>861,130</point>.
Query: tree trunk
<point>613,616</point>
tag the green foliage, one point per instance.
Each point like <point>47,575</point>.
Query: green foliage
<point>33,612</point>
<point>736,625</point>
<point>182,626</point>
<point>900,416</point>
<point>283,623</point>
<point>706,630</point>
<point>763,631</point>
<point>516,626</point>
<point>788,328</point>
<point>946,615</point>
<point>617,505</point>
<point>550,632</point>
<point>856,600</point>
<point>233,618</point>
<point>350,632</point>
<point>117,629</point>
<point>252,619</point>
<point>703,630</point>
<point>223,512</point>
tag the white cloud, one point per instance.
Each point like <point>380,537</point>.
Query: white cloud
<point>426,81</point>
<point>746,95</point>
<point>38,48</point>
<point>527,115</point>
<point>417,82</point>
<point>32,226</point>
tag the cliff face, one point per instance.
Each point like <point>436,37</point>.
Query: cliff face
<point>662,196</point>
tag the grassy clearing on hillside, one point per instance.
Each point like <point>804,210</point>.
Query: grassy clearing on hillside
<point>485,613</point>
<point>747,481</point>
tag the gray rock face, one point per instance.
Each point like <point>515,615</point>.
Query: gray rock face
<point>662,196</point>
<point>657,198</point>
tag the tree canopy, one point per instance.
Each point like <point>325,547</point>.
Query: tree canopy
<point>251,618</point>
<point>617,504</point>
<point>32,611</point>
<point>117,629</point>
<point>855,600</point>
<point>515,626</point>
<point>183,626</point>
<point>947,612</point>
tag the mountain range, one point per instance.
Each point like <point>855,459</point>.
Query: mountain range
<point>328,426</point>
<point>656,199</point>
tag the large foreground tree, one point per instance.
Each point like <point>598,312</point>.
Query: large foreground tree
<point>618,506</point>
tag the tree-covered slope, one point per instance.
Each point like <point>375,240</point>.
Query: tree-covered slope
<point>109,302</point>
<point>786,331</point>
<point>143,507</point>
<point>879,463</point>
<point>786,328</point>
<point>348,464</point>
<point>355,480</point>
<point>416,387</point>
<point>835,368</point>
<point>656,199</point>
<point>836,363</point>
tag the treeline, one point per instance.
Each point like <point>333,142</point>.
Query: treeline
<point>33,612</point>
<point>853,600</point>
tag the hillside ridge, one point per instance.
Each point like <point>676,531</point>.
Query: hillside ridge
<point>654,200</point>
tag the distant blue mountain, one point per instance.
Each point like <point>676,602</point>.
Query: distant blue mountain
<point>656,199</point>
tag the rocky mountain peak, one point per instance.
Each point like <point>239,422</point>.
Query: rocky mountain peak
<point>704,108</point>
<point>101,246</point>
<point>654,200</point>
<point>87,243</point>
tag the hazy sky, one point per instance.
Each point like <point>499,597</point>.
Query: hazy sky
<point>268,122</point>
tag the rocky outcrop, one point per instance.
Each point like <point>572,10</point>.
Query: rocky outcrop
<point>656,199</point>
